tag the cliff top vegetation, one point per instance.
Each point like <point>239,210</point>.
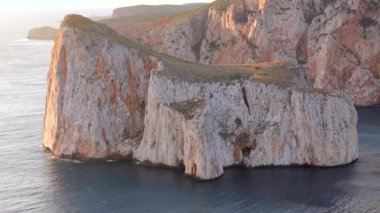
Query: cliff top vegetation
<point>277,73</point>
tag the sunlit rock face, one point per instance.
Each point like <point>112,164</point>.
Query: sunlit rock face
<point>344,50</point>
<point>337,41</point>
<point>209,126</point>
<point>96,95</point>
<point>109,98</point>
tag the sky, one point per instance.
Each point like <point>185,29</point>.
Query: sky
<point>7,5</point>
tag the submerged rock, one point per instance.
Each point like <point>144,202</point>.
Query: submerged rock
<point>111,98</point>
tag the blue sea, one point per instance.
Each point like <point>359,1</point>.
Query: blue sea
<point>31,180</point>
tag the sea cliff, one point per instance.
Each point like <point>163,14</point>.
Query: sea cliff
<point>111,98</point>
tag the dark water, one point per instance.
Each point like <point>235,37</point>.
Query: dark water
<point>32,181</point>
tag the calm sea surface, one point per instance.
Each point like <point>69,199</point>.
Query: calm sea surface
<point>32,181</point>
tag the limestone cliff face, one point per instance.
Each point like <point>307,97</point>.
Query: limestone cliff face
<point>337,40</point>
<point>209,126</point>
<point>96,94</point>
<point>111,98</point>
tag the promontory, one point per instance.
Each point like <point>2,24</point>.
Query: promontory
<point>109,97</point>
<point>42,33</point>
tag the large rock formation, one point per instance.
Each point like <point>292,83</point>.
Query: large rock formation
<point>109,97</point>
<point>337,40</point>
<point>209,126</point>
<point>96,92</point>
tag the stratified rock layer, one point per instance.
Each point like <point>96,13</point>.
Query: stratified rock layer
<point>337,40</point>
<point>111,98</point>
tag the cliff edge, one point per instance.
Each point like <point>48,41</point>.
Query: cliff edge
<point>111,98</point>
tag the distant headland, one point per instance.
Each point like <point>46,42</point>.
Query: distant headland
<point>42,33</point>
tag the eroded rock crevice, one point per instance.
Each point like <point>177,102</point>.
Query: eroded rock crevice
<point>244,93</point>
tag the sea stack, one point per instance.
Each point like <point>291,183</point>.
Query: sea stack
<point>111,98</point>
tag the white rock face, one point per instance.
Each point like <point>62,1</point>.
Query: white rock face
<point>209,126</point>
<point>104,102</point>
<point>96,95</point>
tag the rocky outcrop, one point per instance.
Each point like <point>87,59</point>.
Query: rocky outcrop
<point>336,40</point>
<point>344,50</point>
<point>42,33</point>
<point>96,92</point>
<point>210,126</point>
<point>112,98</point>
